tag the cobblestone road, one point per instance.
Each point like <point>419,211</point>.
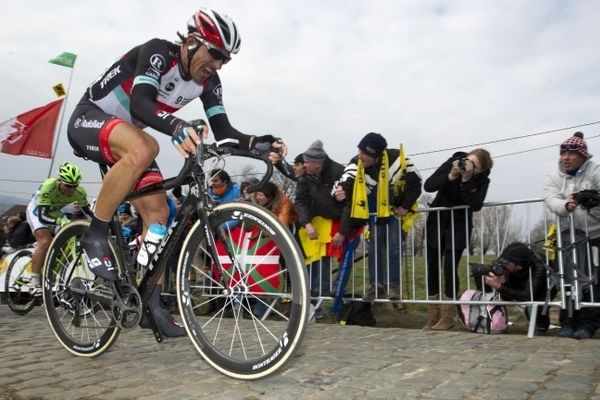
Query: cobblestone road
<point>335,362</point>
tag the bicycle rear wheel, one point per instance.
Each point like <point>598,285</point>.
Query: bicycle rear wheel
<point>78,305</point>
<point>19,291</point>
<point>247,318</point>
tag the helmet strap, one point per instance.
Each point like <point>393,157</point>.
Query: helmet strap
<point>192,47</point>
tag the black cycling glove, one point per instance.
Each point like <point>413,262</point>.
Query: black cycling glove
<point>198,125</point>
<point>180,133</point>
<point>263,145</point>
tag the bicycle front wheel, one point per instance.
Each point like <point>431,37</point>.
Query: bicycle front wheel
<point>244,298</point>
<point>78,305</point>
<point>19,290</point>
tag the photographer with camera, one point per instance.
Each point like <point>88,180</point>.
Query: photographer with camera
<point>518,275</point>
<point>567,193</point>
<point>462,180</point>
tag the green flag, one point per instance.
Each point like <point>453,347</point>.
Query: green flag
<point>65,59</point>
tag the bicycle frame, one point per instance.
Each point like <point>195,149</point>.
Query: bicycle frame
<point>198,201</point>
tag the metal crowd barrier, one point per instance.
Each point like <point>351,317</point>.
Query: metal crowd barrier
<point>494,227</point>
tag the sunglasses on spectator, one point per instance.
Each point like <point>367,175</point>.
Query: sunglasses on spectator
<point>69,186</point>
<point>569,147</point>
<point>214,51</point>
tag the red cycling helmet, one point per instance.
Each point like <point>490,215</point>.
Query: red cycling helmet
<point>217,29</point>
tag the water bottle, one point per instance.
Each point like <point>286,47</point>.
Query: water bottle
<point>156,232</point>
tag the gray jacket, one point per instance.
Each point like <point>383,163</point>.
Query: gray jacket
<point>559,185</point>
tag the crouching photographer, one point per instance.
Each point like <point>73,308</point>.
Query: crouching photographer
<point>518,275</point>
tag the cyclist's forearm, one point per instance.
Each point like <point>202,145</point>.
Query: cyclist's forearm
<point>47,216</point>
<point>143,108</point>
<point>223,130</point>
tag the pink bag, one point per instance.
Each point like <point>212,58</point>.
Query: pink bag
<point>482,318</point>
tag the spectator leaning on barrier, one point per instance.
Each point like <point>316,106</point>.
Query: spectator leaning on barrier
<point>222,189</point>
<point>380,185</point>
<point>523,279</point>
<point>18,233</point>
<point>576,172</point>
<point>318,214</point>
<point>246,185</point>
<point>273,199</point>
<point>3,232</point>
<point>298,166</point>
<point>462,180</point>
<point>130,226</point>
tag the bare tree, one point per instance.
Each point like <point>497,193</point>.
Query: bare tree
<point>287,185</point>
<point>418,229</point>
<point>492,230</point>
<point>246,172</point>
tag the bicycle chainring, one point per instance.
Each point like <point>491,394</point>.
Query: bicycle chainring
<point>127,306</point>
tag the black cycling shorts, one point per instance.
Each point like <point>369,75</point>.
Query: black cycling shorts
<point>88,132</point>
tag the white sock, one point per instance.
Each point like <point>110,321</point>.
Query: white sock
<point>35,279</point>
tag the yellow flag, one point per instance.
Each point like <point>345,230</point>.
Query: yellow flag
<point>400,179</point>
<point>59,90</point>
<point>360,202</point>
<point>550,243</point>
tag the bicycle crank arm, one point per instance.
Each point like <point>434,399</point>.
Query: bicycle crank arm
<point>127,305</point>
<point>82,287</point>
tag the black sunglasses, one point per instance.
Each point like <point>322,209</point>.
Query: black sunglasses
<point>218,55</point>
<point>68,185</point>
<point>215,52</point>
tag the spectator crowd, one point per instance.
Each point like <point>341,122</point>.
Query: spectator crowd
<point>372,195</point>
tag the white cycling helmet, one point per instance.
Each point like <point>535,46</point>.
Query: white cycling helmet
<point>217,29</point>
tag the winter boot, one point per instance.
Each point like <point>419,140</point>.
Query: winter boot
<point>167,325</point>
<point>446,321</point>
<point>433,314</point>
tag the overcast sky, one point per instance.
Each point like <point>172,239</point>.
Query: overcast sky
<point>429,74</point>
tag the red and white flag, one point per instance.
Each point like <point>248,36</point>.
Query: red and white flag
<point>31,133</point>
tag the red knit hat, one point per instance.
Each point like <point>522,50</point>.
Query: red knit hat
<point>577,144</point>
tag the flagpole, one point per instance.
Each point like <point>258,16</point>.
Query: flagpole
<point>62,116</point>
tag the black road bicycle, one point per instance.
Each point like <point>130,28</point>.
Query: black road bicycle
<point>236,259</point>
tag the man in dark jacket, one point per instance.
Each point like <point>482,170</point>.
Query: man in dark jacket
<point>523,278</point>
<point>379,185</point>
<point>18,233</point>
<point>314,199</point>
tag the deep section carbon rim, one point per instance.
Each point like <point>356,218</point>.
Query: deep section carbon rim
<point>245,303</point>
<point>78,305</point>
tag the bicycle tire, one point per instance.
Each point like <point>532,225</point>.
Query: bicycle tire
<point>231,338</point>
<point>82,325</point>
<point>19,297</point>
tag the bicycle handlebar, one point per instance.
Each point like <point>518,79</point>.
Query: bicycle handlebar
<point>221,149</point>
<point>207,151</point>
<point>204,152</point>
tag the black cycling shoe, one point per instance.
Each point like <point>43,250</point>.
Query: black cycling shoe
<point>167,325</point>
<point>97,254</point>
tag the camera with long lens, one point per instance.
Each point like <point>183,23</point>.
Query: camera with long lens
<point>479,270</point>
<point>588,199</point>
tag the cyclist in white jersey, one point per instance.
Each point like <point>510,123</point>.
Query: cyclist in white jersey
<point>143,89</point>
